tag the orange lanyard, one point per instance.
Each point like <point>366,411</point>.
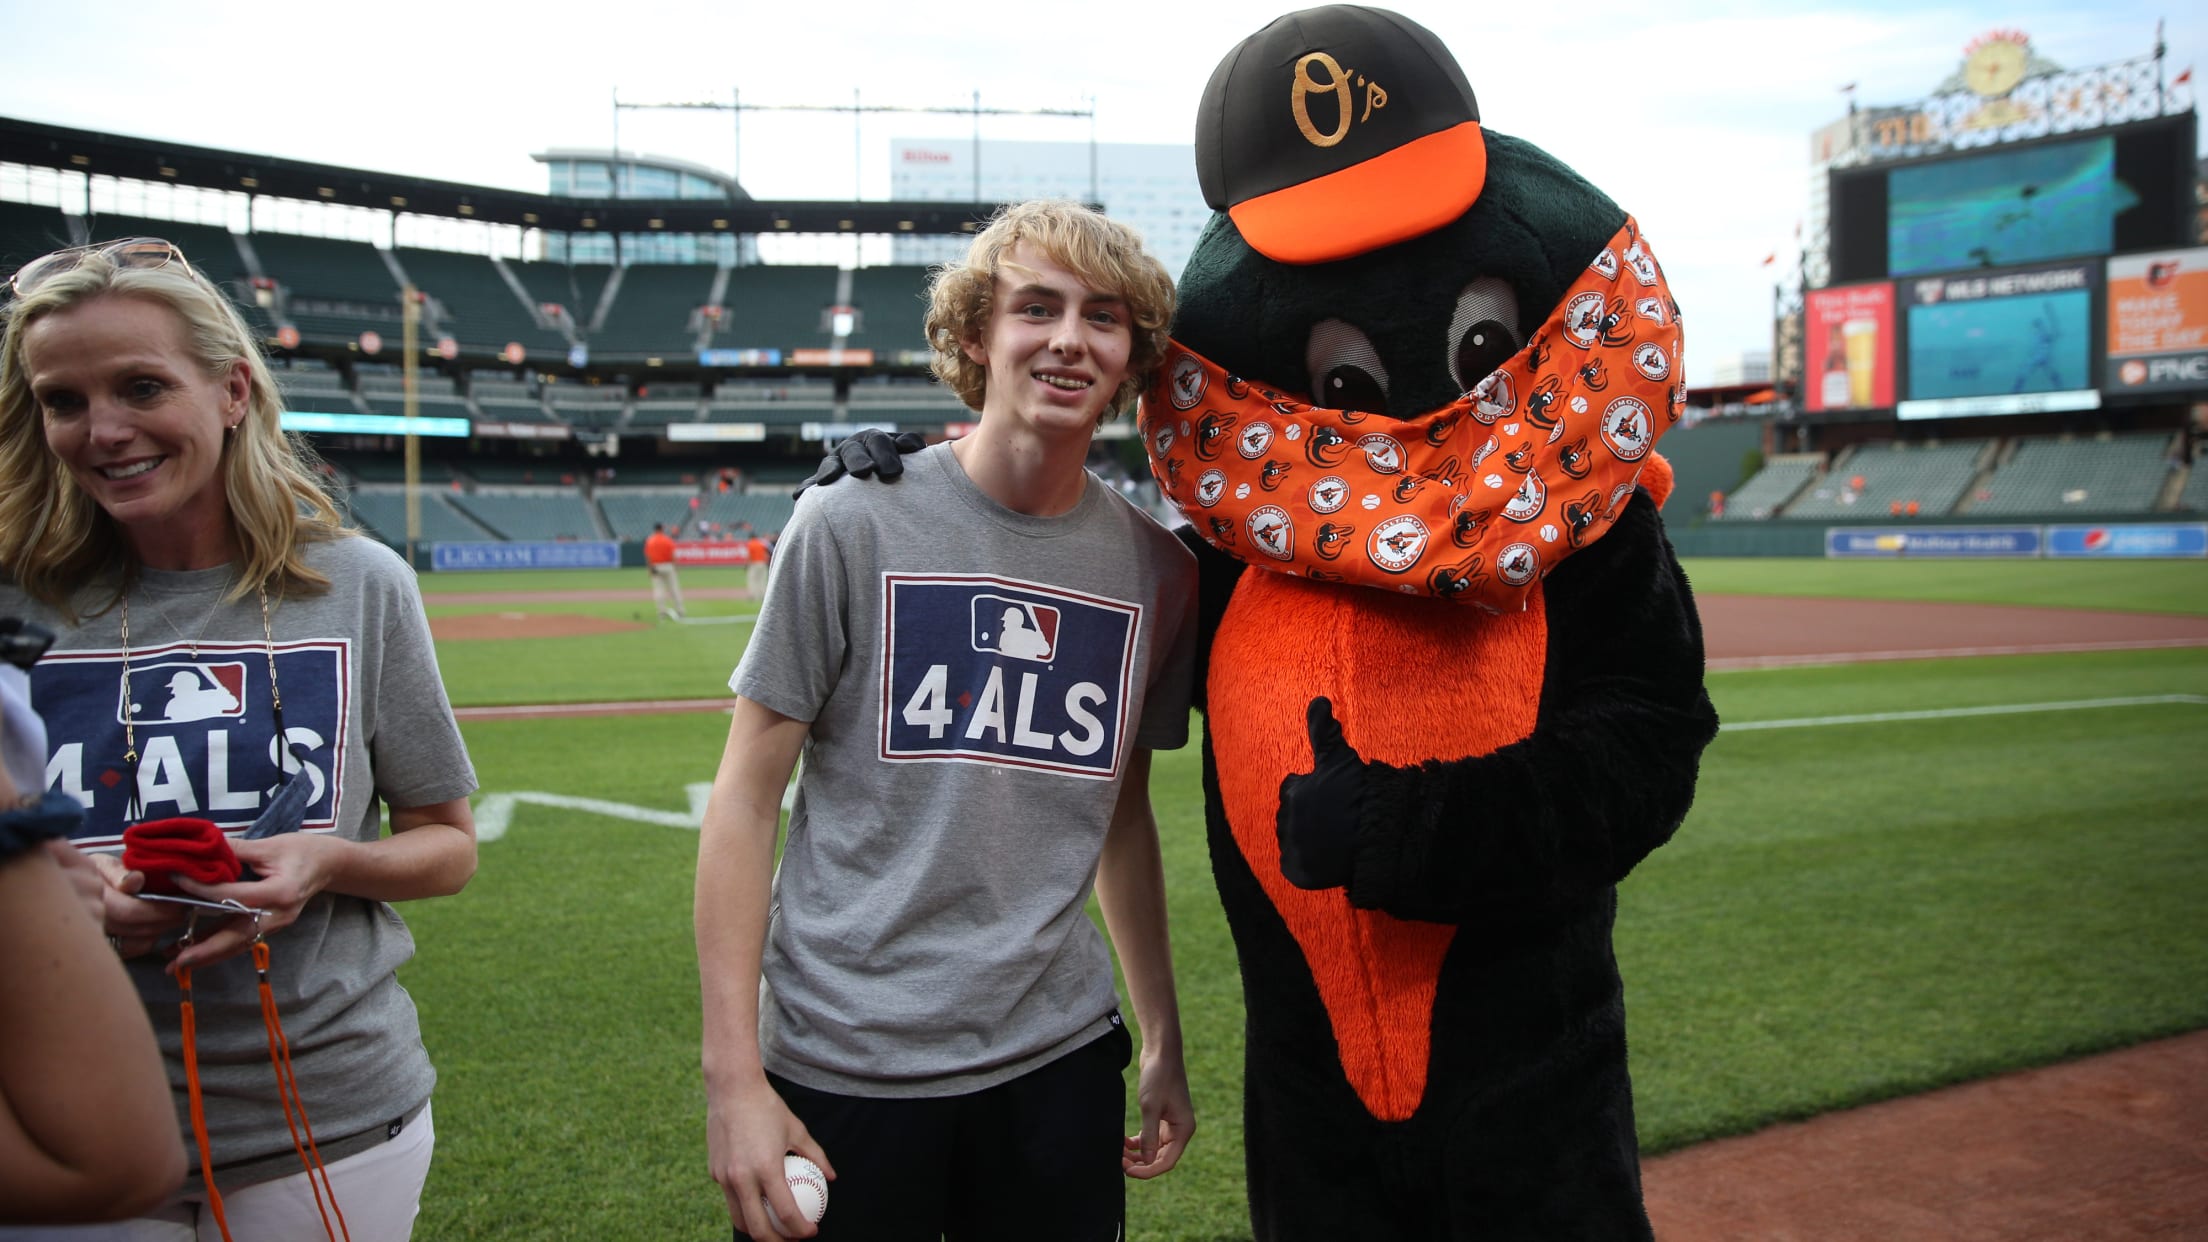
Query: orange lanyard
<point>287,1089</point>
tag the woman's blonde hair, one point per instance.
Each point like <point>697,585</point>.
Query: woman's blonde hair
<point>1104,253</point>
<point>54,539</point>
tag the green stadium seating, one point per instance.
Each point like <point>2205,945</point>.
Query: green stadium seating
<point>1772,487</point>
<point>892,301</point>
<point>541,514</point>
<point>482,312</point>
<point>1931,476</point>
<point>2054,476</point>
<point>652,311</point>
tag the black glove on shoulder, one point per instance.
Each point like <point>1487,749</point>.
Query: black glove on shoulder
<point>869,452</point>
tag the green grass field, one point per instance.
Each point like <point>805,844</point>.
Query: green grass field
<point>1852,911</point>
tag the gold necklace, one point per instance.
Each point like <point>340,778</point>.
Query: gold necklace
<point>193,642</point>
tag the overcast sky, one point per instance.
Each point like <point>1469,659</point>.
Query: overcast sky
<point>1694,115</point>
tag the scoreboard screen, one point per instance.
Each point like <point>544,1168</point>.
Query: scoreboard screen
<point>2005,208</point>
<point>2070,197</point>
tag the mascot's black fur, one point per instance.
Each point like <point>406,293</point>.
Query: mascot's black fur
<point>1523,1125</point>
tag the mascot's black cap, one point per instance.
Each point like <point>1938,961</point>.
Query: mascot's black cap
<point>1339,130</point>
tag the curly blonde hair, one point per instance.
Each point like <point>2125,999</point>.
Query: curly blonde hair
<point>1104,253</point>
<point>54,539</point>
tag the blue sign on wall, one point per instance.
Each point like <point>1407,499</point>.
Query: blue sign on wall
<point>1934,541</point>
<point>581,554</point>
<point>2139,541</point>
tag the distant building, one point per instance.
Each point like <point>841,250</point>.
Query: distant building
<point>1151,186</point>
<point>582,173</point>
<point>1748,367</point>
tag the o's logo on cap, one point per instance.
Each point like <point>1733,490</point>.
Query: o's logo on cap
<point>1337,82</point>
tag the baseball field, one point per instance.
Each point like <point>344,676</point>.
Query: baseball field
<point>1902,870</point>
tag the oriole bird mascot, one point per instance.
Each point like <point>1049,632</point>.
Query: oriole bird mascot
<point>1454,689</point>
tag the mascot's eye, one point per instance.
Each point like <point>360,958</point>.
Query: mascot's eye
<point>1483,334</point>
<point>1346,371</point>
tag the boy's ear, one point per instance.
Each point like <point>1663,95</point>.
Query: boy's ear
<point>975,351</point>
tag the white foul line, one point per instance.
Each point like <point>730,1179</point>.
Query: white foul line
<point>1947,713</point>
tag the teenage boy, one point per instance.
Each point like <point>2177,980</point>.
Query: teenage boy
<point>976,664</point>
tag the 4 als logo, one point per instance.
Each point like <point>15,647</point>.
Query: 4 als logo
<point>1650,360</point>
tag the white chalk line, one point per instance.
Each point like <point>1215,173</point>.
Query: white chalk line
<point>1951,713</point>
<point>1726,664</point>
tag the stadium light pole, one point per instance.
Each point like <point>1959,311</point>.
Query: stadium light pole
<point>410,317</point>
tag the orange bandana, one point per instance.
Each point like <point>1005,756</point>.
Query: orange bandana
<point>1474,502</point>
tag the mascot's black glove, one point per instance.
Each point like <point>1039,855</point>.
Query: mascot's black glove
<point>1320,810</point>
<point>868,452</point>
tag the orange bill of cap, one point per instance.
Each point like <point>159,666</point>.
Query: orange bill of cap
<point>1404,193</point>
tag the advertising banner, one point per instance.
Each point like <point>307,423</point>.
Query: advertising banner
<point>1850,349</point>
<point>2189,540</point>
<point>720,552</point>
<point>2157,322</point>
<point>1855,542</point>
<point>580,554</point>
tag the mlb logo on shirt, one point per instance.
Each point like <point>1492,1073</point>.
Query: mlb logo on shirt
<point>180,692</point>
<point>1016,628</point>
<point>997,671</point>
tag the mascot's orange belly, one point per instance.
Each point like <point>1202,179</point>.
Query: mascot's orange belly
<point>1411,680</point>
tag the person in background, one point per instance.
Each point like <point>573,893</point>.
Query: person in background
<point>756,557</point>
<point>86,1133</point>
<point>976,664</point>
<point>659,562</point>
<point>156,517</point>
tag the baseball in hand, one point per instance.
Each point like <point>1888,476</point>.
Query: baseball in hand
<point>808,1185</point>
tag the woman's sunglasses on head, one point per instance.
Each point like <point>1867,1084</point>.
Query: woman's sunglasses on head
<point>147,252</point>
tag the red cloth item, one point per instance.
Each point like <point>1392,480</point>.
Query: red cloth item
<point>165,849</point>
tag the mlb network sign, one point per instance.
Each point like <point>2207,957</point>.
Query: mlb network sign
<point>997,671</point>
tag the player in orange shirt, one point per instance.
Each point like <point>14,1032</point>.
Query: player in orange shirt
<point>659,558</point>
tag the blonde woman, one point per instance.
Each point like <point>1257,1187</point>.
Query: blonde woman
<point>153,512</point>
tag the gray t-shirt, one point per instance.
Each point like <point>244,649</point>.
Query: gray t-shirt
<point>976,679</point>
<point>365,711</point>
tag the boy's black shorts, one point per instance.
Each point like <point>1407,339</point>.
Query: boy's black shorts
<point>1036,1157</point>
